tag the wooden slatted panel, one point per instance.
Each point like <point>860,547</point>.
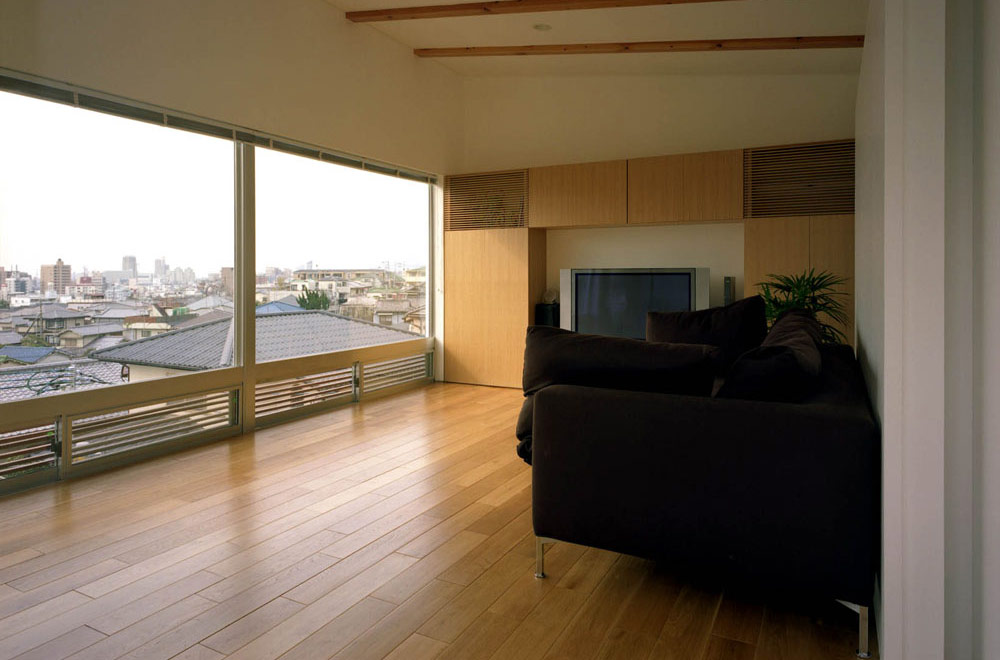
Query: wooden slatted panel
<point>140,426</point>
<point>291,393</point>
<point>482,201</point>
<point>379,375</point>
<point>27,450</point>
<point>807,179</point>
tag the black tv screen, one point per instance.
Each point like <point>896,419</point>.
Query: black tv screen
<point>615,303</point>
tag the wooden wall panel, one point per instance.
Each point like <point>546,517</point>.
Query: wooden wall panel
<point>585,194</point>
<point>831,247</point>
<point>536,270</point>
<point>656,189</point>
<point>486,287</point>
<point>713,186</point>
<point>773,245</point>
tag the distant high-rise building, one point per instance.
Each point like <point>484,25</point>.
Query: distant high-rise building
<point>130,266</point>
<point>56,277</point>
<point>228,281</point>
<point>161,269</point>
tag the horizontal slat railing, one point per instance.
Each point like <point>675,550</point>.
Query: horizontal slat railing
<point>158,422</point>
<point>117,424</point>
<point>92,402</point>
<point>314,364</point>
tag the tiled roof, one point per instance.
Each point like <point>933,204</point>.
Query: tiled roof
<point>26,354</point>
<point>95,329</point>
<point>393,306</point>
<point>277,307</point>
<point>210,302</point>
<point>7,338</point>
<point>25,382</point>
<point>279,336</point>
<point>49,312</point>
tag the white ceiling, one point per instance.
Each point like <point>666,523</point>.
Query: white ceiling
<point>731,19</point>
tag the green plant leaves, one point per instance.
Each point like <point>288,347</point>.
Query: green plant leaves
<point>811,291</point>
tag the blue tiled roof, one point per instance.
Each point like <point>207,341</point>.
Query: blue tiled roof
<point>26,354</point>
<point>277,307</point>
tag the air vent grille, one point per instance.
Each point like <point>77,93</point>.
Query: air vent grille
<point>482,201</point>
<point>27,450</point>
<point>380,375</point>
<point>119,431</point>
<point>807,179</point>
<point>282,396</point>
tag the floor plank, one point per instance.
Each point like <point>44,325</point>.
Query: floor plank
<point>396,528</point>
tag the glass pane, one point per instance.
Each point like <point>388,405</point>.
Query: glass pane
<point>341,257</point>
<point>116,249</point>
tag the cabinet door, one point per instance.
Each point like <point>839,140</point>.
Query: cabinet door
<point>486,287</point>
<point>586,194</point>
<point>774,245</point>
<point>831,247</point>
<point>656,189</point>
<point>713,186</point>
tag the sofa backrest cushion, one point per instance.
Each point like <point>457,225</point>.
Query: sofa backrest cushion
<point>735,328</point>
<point>554,356</point>
<point>785,367</point>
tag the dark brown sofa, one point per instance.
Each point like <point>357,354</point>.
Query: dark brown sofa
<point>779,496</point>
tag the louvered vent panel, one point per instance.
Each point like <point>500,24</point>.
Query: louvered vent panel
<point>281,396</point>
<point>808,179</point>
<point>141,426</point>
<point>379,375</point>
<point>483,201</point>
<point>27,450</point>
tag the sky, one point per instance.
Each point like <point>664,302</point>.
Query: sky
<point>91,188</point>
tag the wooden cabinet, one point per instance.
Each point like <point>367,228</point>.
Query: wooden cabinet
<point>713,186</point>
<point>492,279</point>
<point>773,245</point>
<point>581,195</point>
<point>656,190</point>
<point>788,246</point>
<point>831,247</point>
<point>686,188</point>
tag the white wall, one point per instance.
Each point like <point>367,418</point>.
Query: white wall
<point>928,315</point>
<point>987,332</point>
<point>294,68</point>
<point>718,246</point>
<point>513,122</point>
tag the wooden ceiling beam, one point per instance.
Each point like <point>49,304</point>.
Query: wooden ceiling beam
<point>501,7</point>
<point>692,46</point>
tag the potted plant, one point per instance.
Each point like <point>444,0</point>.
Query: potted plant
<point>811,291</point>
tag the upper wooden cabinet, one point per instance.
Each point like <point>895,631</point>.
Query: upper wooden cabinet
<point>656,189</point>
<point>686,188</point>
<point>581,195</point>
<point>713,186</point>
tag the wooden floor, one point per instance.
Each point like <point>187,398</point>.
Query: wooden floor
<point>399,528</point>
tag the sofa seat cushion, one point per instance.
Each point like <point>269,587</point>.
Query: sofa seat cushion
<point>553,356</point>
<point>785,367</point>
<point>735,328</point>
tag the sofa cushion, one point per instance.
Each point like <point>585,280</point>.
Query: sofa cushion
<point>785,367</point>
<point>735,328</point>
<point>553,356</point>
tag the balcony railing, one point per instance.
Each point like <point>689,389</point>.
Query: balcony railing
<point>92,425</point>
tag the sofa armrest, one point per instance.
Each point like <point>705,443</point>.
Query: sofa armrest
<point>765,488</point>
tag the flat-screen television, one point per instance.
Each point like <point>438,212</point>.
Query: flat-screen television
<point>614,301</point>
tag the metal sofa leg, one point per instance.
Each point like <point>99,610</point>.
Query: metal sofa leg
<point>863,628</point>
<point>540,542</point>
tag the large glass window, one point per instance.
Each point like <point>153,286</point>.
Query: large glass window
<point>342,257</point>
<point>116,249</point>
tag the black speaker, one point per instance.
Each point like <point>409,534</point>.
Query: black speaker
<point>547,314</point>
<point>728,290</point>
